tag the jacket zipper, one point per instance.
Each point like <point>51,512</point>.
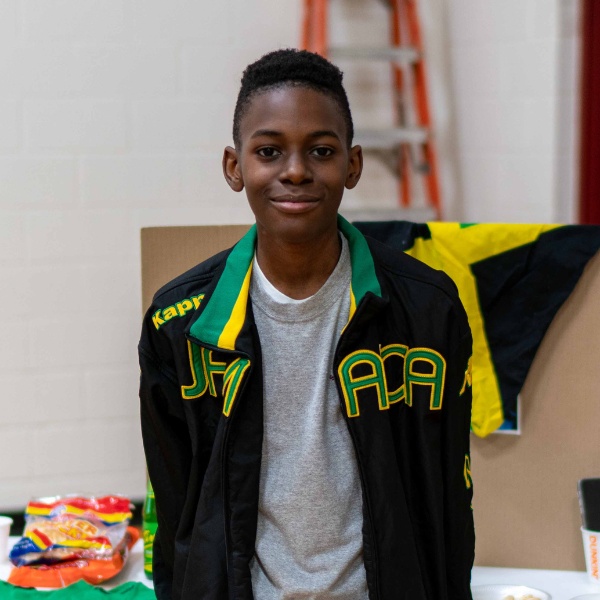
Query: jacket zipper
<point>224,486</point>
<point>360,469</point>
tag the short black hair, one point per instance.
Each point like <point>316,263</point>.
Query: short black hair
<point>291,67</point>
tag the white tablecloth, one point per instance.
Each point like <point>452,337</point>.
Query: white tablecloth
<point>562,585</point>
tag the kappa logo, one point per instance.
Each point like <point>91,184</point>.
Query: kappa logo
<point>365,369</point>
<point>179,309</point>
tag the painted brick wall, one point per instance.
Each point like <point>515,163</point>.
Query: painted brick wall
<point>515,80</point>
<point>113,116</point>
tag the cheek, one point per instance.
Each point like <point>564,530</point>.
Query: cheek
<point>257,176</point>
<point>336,175</point>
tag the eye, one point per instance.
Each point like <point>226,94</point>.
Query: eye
<point>268,152</point>
<point>322,151</point>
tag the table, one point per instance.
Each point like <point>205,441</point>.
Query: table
<point>562,585</point>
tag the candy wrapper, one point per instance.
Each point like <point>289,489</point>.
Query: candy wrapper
<point>71,538</point>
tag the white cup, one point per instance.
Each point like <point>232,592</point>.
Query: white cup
<point>591,549</point>
<point>5,523</point>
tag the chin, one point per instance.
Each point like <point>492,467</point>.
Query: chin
<point>298,230</point>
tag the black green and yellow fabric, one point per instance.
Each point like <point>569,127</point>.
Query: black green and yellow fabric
<point>221,322</point>
<point>512,279</point>
<point>78,591</point>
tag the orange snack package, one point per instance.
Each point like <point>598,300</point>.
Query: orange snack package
<point>72,538</point>
<point>62,574</point>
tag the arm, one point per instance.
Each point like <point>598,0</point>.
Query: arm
<point>458,487</point>
<point>168,453</point>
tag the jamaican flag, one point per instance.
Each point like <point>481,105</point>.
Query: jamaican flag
<point>512,279</point>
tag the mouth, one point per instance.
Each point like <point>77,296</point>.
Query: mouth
<point>295,203</point>
<point>295,198</point>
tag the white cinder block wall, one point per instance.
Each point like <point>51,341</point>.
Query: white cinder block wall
<point>113,116</point>
<point>514,66</point>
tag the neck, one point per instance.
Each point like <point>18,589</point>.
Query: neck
<point>298,270</point>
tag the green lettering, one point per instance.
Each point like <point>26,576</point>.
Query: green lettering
<point>398,350</point>
<point>433,377</point>
<point>231,382</point>
<point>199,380</point>
<point>351,384</point>
<point>211,369</point>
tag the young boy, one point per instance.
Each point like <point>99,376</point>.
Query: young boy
<point>306,425</point>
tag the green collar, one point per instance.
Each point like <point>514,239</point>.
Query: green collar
<point>221,321</point>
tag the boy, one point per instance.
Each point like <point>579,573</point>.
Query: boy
<point>306,427</point>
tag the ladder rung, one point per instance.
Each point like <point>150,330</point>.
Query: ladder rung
<point>405,55</point>
<point>407,148</point>
<point>379,139</point>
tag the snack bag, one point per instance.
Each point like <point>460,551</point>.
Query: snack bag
<point>62,574</point>
<point>72,538</point>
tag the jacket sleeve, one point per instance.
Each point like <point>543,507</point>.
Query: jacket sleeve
<point>458,486</point>
<point>168,451</point>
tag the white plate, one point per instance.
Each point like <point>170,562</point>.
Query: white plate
<point>501,591</point>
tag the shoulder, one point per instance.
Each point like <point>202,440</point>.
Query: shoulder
<point>178,302</point>
<point>412,282</point>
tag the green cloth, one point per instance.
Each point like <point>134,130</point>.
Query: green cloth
<point>79,591</point>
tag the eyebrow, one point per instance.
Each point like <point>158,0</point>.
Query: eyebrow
<point>313,134</point>
<point>325,133</point>
<point>266,132</point>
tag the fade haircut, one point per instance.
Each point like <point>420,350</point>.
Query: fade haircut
<point>291,67</point>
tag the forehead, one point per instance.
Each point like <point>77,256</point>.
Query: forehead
<point>292,110</point>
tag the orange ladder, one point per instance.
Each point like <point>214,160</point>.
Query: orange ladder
<point>407,147</point>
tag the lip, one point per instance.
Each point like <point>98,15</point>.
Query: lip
<point>292,204</point>
<point>301,198</point>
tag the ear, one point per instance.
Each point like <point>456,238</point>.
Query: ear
<point>355,166</point>
<point>231,169</point>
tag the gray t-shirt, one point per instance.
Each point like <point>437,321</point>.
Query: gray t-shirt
<point>309,534</point>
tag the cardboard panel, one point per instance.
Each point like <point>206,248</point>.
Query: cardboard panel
<point>525,502</point>
<point>525,505</point>
<point>169,251</point>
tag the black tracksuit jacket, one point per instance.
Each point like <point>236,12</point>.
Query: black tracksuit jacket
<point>402,369</point>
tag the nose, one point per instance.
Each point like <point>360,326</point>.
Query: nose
<point>296,169</point>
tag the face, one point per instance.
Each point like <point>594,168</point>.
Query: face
<point>294,163</point>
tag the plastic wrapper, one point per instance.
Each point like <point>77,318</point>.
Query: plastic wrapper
<point>71,538</point>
